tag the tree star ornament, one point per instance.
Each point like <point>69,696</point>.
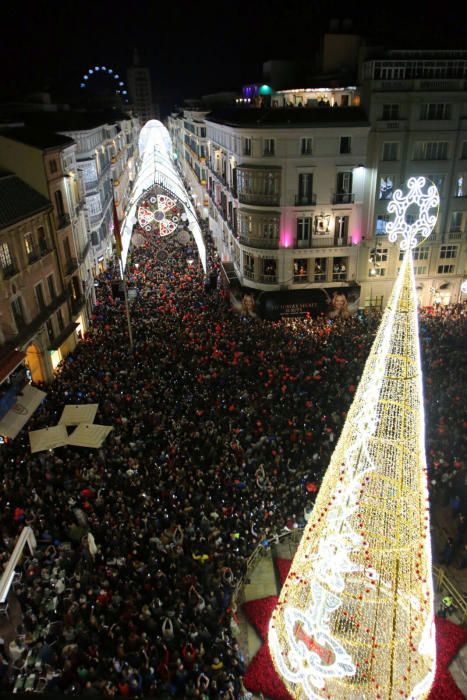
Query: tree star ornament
<point>422,194</point>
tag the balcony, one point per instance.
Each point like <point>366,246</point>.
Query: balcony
<point>328,241</point>
<point>91,185</point>
<point>77,304</point>
<point>300,279</point>
<point>268,279</point>
<point>84,252</point>
<point>262,200</point>
<point>339,276</point>
<point>9,271</point>
<point>63,220</point>
<point>33,257</point>
<point>343,198</point>
<point>71,265</point>
<point>28,330</point>
<point>303,200</point>
<point>259,242</point>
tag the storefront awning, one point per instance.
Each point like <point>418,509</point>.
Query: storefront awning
<point>9,363</point>
<point>21,412</point>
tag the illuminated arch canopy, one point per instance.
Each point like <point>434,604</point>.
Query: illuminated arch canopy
<point>159,201</point>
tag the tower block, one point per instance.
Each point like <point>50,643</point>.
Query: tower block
<point>354,620</point>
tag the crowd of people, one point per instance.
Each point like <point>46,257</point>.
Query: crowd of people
<point>223,427</point>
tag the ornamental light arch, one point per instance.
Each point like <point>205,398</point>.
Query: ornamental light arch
<point>159,198</point>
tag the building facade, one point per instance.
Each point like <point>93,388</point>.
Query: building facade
<point>298,196</point>
<point>47,161</point>
<point>35,306</point>
<point>417,107</point>
<point>140,89</point>
<point>106,162</point>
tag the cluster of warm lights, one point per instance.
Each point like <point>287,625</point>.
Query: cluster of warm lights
<point>354,619</point>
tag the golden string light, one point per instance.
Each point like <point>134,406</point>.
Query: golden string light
<point>354,620</point>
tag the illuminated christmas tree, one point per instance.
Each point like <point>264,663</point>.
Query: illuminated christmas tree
<point>354,619</point>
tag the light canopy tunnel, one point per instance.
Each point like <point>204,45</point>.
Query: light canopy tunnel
<point>157,169</point>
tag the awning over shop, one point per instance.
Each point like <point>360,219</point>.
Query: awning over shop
<point>9,362</point>
<point>21,412</point>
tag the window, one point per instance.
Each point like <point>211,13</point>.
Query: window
<point>61,325</point>
<point>464,150</point>
<point>94,238</point>
<point>339,269</point>
<point>246,147</point>
<point>300,270</point>
<point>53,166</point>
<point>438,181</point>
<point>445,269</point>
<point>377,272</point>
<point>306,147</point>
<point>67,249</point>
<point>303,229</point>
<point>320,269</point>
<point>18,313</point>
<point>456,221</point>
<point>341,229</point>
<point>39,292</point>
<point>381,224</point>
<point>94,205</point>
<point>461,186</point>
<point>448,251</point>
<point>305,189</point>
<point>421,270</point>
<point>344,182</point>
<point>390,150</point>
<point>51,287</point>
<point>5,257</point>
<point>435,110</point>
<point>59,203</point>
<point>269,268</point>
<point>50,330</point>
<point>421,253</point>
<point>268,147</point>
<point>249,264</point>
<point>30,248</point>
<point>43,247</point>
<point>269,229</point>
<point>390,112</point>
<point>345,144</point>
<point>431,150</point>
<point>386,186</point>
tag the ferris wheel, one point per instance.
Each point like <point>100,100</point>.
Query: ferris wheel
<point>117,83</point>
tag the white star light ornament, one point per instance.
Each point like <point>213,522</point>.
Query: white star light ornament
<point>423,194</point>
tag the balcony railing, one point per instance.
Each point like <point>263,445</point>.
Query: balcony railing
<point>339,276</point>
<point>9,270</point>
<point>33,257</point>
<point>302,200</point>
<point>249,274</point>
<point>71,266</point>
<point>85,251</point>
<point>328,241</point>
<point>268,279</point>
<point>77,304</point>
<point>343,198</point>
<point>259,242</point>
<point>300,279</point>
<point>91,185</point>
<point>63,220</point>
<point>319,277</point>
<point>264,200</point>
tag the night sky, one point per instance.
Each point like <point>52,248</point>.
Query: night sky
<point>194,48</point>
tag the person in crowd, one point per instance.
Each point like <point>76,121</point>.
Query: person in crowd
<point>221,421</point>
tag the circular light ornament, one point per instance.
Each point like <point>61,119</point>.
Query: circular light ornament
<point>422,194</point>
<point>183,237</point>
<point>159,213</point>
<point>464,287</point>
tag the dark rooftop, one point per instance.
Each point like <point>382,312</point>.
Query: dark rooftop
<point>283,117</point>
<point>39,138</point>
<point>72,120</point>
<point>18,201</point>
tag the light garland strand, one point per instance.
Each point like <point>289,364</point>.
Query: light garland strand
<point>354,619</point>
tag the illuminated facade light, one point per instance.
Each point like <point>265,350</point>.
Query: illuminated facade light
<point>418,199</point>
<point>355,616</point>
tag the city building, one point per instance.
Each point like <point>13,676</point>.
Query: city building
<point>286,192</point>
<point>35,312</point>
<point>416,103</point>
<point>140,89</point>
<point>47,162</point>
<point>299,179</point>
